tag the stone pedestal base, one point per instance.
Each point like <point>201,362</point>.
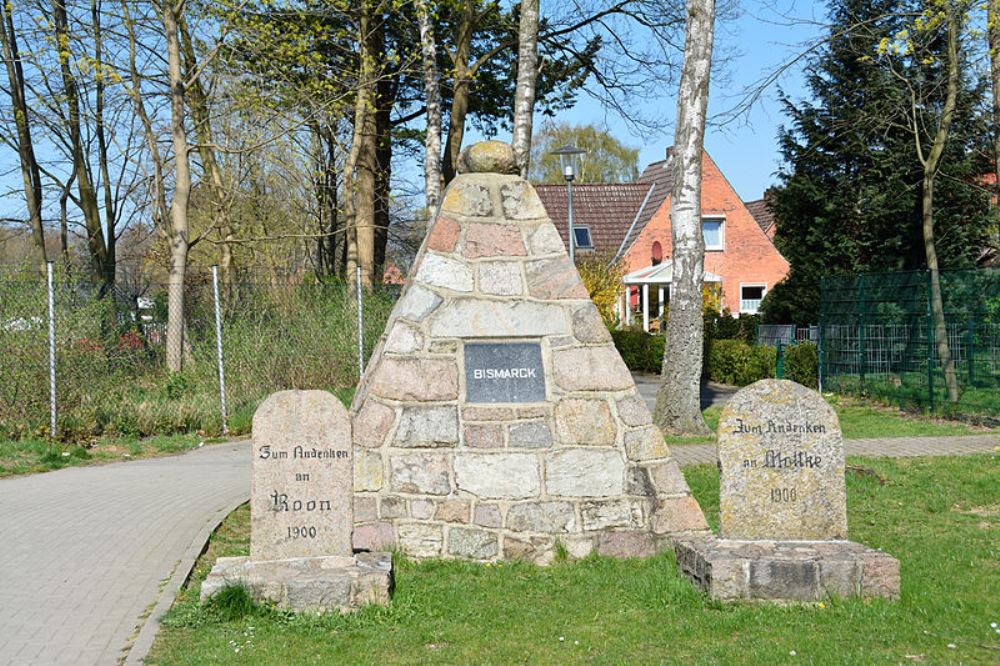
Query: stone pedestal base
<point>787,570</point>
<point>310,584</point>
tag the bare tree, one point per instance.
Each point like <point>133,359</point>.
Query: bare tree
<point>527,73</point>
<point>678,401</point>
<point>993,38</point>
<point>25,147</point>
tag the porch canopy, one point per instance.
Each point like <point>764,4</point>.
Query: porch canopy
<point>661,275</point>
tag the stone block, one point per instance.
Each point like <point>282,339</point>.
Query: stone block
<point>367,471</point>
<point>796,580</point>
<point>416,379</point>
<point>416,303</point>
<point>520,202</point>
<point>501,278</point>
<point>498,475</point>
<point>488,157</point>
<point>469,197</point>
<point>420,539</point>
<point>374,536</point>
<point>481,413</point>
<point>584,421</point>
<point>422,509</point>
<point>551,517</point>
<point>403,339</point>
<point>618,513</point>
<point>427,427</point>
<point>372,424</point>
<point>879,575</point>
<point>443,236</point>
<point>440,271</point>
<point>839,577</point>
<point>578,547</point>
<point>487,515</point>
<point>530,435</point>
<point>472,318</point>
<point>545,240</point>
<point>493,240</point>
<point>584,473</point>
<point>483,436</point>
<point>453,511</point>
<point>588,326</point>
<point>632,411</point>
<point>420,473</point>
<point>637,482</point>
<point>645,444</point>
<point>554,279</point>
<point>678,514</point>
<point>626,544</point>
<point>392,507</point>
<point>590,369</point>
<point>472,543</point>
<point>667,478</point>
<point>443,346</point>
<point>365,508</point>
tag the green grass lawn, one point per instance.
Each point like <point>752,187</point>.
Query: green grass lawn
<point>860,419</point>
<point>34,455</point>
<point>940,517</point>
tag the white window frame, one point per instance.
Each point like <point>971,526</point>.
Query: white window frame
<point>721,219</point>
<point>590,235</point>
<point>762,285</point>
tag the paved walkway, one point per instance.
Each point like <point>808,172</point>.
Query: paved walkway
<point>712,394</point>
<point>894,447</point>
<point>86,552</point>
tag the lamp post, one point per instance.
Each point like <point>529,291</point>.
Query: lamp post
<point>567,160</point>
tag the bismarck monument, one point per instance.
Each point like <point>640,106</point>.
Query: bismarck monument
<point>301,555</point>
<point>783,506</point>
<point>497,418</point>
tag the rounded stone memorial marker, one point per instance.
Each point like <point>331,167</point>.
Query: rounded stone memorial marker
<point>781,456</point>
<point>303,477</point>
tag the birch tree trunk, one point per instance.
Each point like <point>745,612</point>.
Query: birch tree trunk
<point>524,95</point>
<point>179,232</point>
<point>678,401</point>
<point>25,147</point>
<point>432,90</point>
<point>993,36</point>
<point>931,162</point>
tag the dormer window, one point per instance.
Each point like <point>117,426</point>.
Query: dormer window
<point>581,236</point>
<point>713,231</point>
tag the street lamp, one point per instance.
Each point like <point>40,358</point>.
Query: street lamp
<point>568,156</point>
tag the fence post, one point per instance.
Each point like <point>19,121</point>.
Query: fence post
<point>862,322</point>
<point>779,363</point>
<point>930,345</point>
<point>819,337</point>
<point>970,349</point>
<point>218,349</point>
<point>53,431</point>
<point>361,327</point>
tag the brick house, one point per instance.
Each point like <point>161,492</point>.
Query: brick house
<point>631,222</point>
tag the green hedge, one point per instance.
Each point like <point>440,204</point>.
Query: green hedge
<point>640,350</point>
<point>739,363</point>
<point>801,363</point>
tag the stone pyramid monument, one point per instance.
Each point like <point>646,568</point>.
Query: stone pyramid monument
<point>496,419</point>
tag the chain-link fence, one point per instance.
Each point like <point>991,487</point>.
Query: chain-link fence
<point>106,363</point>
<point>877,338</point>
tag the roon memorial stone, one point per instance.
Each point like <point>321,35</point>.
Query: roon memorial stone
<point>783,506</point>
<point>301,513</point>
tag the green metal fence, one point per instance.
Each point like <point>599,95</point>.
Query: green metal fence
<point>877,338</point>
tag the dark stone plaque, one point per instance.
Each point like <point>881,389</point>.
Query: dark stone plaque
<point>504,372</point>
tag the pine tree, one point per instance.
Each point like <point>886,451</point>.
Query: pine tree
<point>849,199</point>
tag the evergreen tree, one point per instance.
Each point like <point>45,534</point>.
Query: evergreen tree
<point>849,199</point>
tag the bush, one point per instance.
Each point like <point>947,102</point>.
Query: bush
<point>801,363</point>
<point>640,350</point>
<point>739,363</point>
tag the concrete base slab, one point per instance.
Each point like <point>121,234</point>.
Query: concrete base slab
<point>796,571</point>
<point>308,584</point>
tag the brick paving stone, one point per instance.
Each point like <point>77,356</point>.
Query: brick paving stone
<point>84,550</point>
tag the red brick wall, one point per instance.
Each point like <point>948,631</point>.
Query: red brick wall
<point>749,255</point>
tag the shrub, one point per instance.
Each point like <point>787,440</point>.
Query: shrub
<point>736,362</point>
<point>640,350</point>
<point>801,363</point>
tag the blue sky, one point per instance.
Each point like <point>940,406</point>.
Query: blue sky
<point>764,36</point>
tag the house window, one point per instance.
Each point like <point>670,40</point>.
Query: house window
<point>750,297</point>
<point>581,236</point>
<point>713,231</point>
